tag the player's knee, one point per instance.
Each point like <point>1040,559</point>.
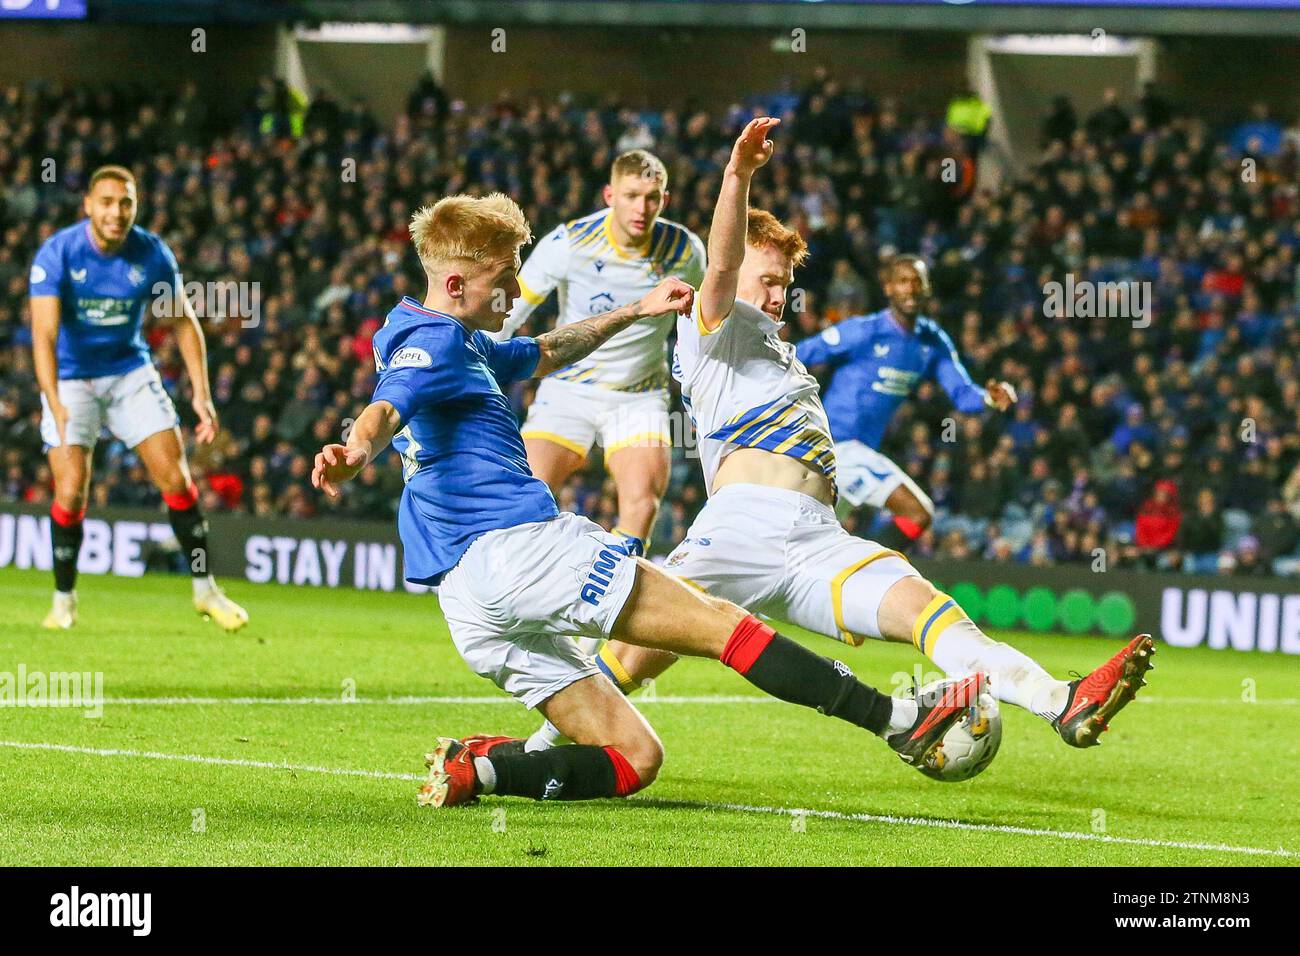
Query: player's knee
<point>70,492</point>
<point>645,754</point>
<point>173,482</point>
<point>902,604</point>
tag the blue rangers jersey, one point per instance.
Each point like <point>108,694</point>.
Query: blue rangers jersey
<point>876,364</point>
<point>102,298</point>
<point>463,460</point>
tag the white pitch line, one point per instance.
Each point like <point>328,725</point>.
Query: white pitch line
<point>418,701</point>
<point>973,827</point>
<point>701,805</point>
<point>404,701</point>
<point>218,761</point>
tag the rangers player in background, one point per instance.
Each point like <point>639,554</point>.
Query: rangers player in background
<point>90,286</point>
<point>874,363</point>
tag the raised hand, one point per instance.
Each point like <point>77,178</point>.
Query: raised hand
<point>753,148</point>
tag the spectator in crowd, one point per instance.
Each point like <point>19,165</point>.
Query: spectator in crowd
<point>1260,135</point>
<point>1201,535</point>
<point>1158,521</point>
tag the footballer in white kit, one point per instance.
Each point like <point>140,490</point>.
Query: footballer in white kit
<point>617,396</point>
<point>771,549</point>
<point>768,538</point>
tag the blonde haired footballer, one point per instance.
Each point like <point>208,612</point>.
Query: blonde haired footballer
<point>618,395</point>
<point>516,578</point>
<point>768,538</point>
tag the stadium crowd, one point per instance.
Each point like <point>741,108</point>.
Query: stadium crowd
<point>1169,438</point>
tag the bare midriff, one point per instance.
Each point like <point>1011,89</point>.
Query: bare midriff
<point>754,466</point>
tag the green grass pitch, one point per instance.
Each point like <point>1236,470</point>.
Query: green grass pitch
<point>191,763</point>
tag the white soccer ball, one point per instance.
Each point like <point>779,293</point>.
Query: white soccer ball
<point>969,745</point>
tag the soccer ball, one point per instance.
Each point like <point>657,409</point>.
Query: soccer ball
<point>969,745</point>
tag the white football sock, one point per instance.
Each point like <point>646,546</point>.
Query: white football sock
<point>544,738</point>
<point>487,774</point>
<point>902,717</point>
<point>960,648</point>
<point>204,585</point>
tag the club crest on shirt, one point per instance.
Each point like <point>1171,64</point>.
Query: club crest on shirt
<point>135,275</point>
<point>410,357</point>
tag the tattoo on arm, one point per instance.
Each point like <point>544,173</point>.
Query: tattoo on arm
<point>568,343</point>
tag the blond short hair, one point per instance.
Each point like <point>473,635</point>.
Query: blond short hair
<point>468,229</point>
<point>639,162</point>
<point>763,229</point>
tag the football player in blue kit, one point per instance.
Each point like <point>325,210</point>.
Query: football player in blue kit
<point>90,287</point>
<point>874,363</point>
<point>518,580</point>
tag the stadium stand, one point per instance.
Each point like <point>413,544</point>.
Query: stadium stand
<point>1172,445</point>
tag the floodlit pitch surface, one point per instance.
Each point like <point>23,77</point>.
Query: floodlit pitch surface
<point>220,749</point>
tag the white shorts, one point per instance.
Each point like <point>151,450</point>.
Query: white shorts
<point>866,477</point>
<point>133,406</point>
<point>575,416</point>
<point>519,596</point>
<point>782,553</point>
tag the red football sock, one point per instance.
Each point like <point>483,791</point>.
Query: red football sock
<point>747,642</point>
<point>66,517</point>
<point>910,528</point>
<point>184,500</point>
<point>626,780</point>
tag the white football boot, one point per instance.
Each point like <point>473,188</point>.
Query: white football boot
<point>212,603</point>
<point>63,613</point>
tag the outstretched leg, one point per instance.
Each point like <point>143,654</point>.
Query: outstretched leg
<point>1079,710</point>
